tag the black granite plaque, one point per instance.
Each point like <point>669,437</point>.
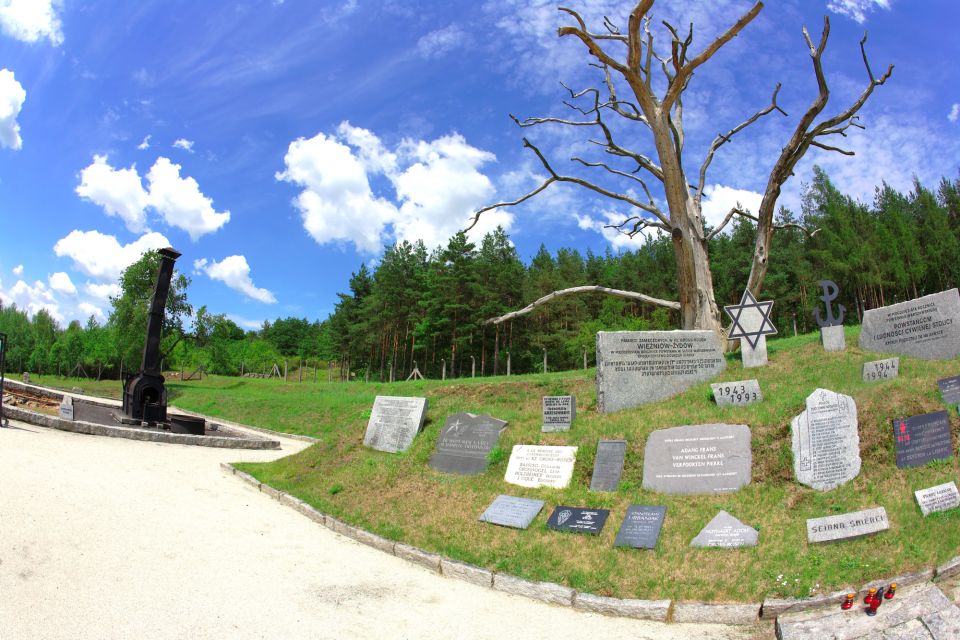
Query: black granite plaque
<point>609,465</point>
<point>641,527</point>
<point>921,439</point>
<point>578,519</point>
<point>465,440</point>
<point>510,511</point>
<point>950,389</point>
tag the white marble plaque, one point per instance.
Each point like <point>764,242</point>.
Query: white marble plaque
<point>394,421</point>
<point>938,498</point>
<point>541,466</point>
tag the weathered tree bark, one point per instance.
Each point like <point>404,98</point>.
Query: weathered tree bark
<point>663,117</point>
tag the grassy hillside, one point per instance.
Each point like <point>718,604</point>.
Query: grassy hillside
<point>400,497</point>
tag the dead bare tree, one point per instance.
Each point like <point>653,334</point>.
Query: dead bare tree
<point>662,115</point>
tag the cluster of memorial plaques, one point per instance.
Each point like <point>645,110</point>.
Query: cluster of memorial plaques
<point>541,466</point>
<point>927,327</point>
<point>698,459</point>
<point>465,441</point>
<point>922,439</point>
<point>394,422</point>
<point>738,393</point>
<point>877,370</point>
<point>826,441</point>
<point>726,532</point>
<point>558,413</point>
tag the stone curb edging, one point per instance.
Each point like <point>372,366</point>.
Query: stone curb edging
<point>654,610</point>
<point>90,428</point>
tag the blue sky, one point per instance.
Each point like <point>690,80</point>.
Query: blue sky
<point>280,144</point>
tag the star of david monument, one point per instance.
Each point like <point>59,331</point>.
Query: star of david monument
<point>750,321</point>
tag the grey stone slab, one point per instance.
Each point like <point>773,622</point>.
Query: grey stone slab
<point>876,370</point>
<point>66,408</point>
<point>909,630</point>
<point>511,511</point>
<point>738,392</point>
<point>939,498</point>
<point>944,624</point>
<point>922,439</point>
<point>641,526</point>
<point>847,526</point>
<point>541,466</point>
<point>464,443</point>
<point>832,338</point>
<point>826,441</point>
<point>544,591</point>
<point>754,356</point>
<point>559,413</point>
<point>927,327</point>
<point>949,389</point>
<point>726,532</point>
<point>418,556</point>
<point>608,466</point>
<point>639,367</point>
<point>394,422</point>
<point>713,613</point>
<point>656,610</point>
<point>466,572</point>
<point>698,459</point>
<point>578,520</point>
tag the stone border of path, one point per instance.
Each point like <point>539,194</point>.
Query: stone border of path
<point>655,610</point>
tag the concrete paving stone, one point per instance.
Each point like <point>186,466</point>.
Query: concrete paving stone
<point>944,624</point>
<point>910,630</point>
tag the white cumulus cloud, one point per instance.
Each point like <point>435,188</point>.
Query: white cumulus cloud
<point>619,241</point>
<point>12,96</point>
<point>234,272</point>
<point>143,146</point>
<point>436,43</point>
<point>102,291</point>
<point>31,20</point>
<point>61,282</point>
<point>180,202</point>
<point>856,10</point>
<point>102,256</point>
<point>92,310</point>
<point>18,270</point>
<point>32,298</point>
<point>954,112</point>
<point>119,191</point>
<point>719,199</point>
<point>183,143</point>
<point>437,185</point>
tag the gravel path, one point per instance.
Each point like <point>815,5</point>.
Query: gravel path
<point>111,538</point>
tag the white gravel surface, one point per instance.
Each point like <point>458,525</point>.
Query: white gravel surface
<point>107,538</point>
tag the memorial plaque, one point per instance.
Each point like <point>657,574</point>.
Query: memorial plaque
<point>578,519</point>
<point>608,467</point>
<point>928,327</point>
<point>950,389</point>
<point>465,440</point>
<point>541,466</point>
<point>826,442</point>
<point>394,421</point>
<point>66,408</point>
<point>847,526</point>
<point>698,459</point>
<point>558,413</point>
<point>726,532</point>
<point>740,392</point>
<point>641,527</point>
<point>923,438</point>
<point>639,367</point>
<point>887,369</point>
<point>939,498</point>
<point>509,511</point>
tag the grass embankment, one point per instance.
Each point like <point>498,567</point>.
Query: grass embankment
<point>400,497</point>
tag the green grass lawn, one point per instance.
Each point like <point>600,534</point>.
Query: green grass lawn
<point>400,497</point>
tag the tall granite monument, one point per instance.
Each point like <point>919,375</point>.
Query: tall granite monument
<point>927,327</point>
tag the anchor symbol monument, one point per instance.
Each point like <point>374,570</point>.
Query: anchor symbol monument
<point>831,328</point>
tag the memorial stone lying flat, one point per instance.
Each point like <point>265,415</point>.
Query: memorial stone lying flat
<point>465,440</point>
<point>66,408</point>
<point>928,327</point>
<point>608,467</point>
<point>558,413</point>
<point>578,519</point>
<point>847,526</point>
<point>639,367</point>
<point>938,498</point>
<point>541,466</point>
<point>698,459</point>
<point>641,527</point>
<point>727,532</point>
<point>950,389</point>
<point>394,421</point>
<point>510,511</point>
<point>741,392</point>
<point>887,369</point>
<point>826,442</point>
<point>922,438</point>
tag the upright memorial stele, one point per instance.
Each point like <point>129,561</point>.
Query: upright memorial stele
<point>826,442</point>
<point>394,422</point>
<point>639,367</point>
<point>750,322</point>
<point>927,328</point>
<point>831,327</point>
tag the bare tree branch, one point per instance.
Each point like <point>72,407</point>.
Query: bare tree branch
<point>637,224</point>
<point>631,295</point>
<point>738,211</point>
<point>827,147</point>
